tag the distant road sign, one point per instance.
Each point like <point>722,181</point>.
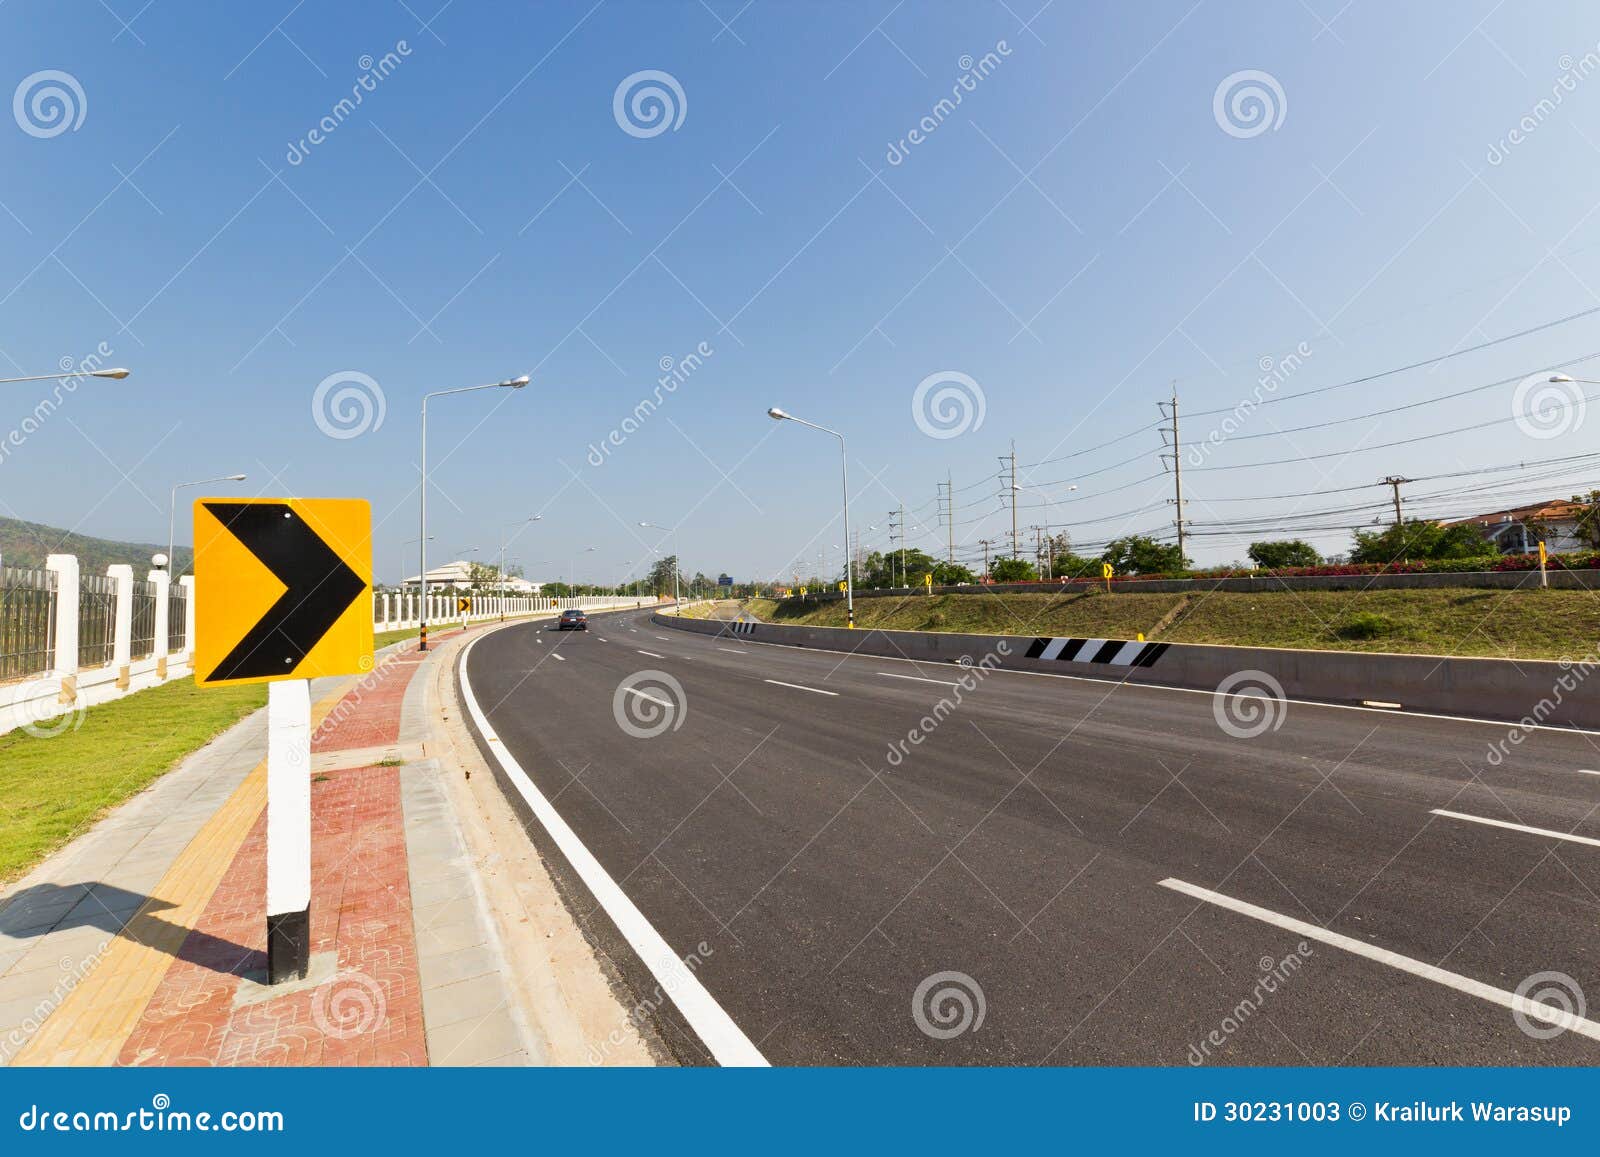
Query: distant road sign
<point>283,588</point>
<point>463,603</point>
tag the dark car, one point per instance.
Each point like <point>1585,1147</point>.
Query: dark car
<point>572,621</point>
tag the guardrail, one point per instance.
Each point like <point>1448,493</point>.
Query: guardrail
<point>70,641</point>
<point>1521,693</point>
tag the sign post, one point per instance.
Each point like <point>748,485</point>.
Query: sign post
<point>283,594</point>
<point>1105,573</point>
<point>1544,575</point>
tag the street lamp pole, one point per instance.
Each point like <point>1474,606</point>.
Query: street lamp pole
<point>503,529</point>
<point>118,374</point>
<point>677,603</point>
<point>172,506</point>
<point>422,544</point>
<point>844,476</point>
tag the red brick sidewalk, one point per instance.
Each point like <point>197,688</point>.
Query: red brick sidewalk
<point>210,1009</point>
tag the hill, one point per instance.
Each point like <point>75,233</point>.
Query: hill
<point>25,544</point>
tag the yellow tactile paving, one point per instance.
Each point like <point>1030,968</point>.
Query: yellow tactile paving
<point>98,1015</point>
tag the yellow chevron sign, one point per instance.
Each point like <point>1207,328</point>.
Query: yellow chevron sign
<point>282,588</point>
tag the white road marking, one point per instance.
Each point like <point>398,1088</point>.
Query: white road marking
<point>602,640</point>
<point>1516,827</point>
<point>652,654</point>
<point>558,655</point>
<point>710,1021</point>
<point>664,638</point>
<point>798,687</point>
<point>1546,1012</point>
<point>650,698</point>
<point>917,679</point>
<point>1381,703</point>
<point>1587,771</point>
<point>733,650</point>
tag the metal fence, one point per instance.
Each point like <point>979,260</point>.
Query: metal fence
<point>97,620</point>
<point>144,620</point>
<point>27,622</point>
<point>177,617</point>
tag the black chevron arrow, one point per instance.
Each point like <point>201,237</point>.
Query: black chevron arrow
<point>320,588</point>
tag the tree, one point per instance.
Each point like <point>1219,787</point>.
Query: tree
<point>1071,566</point>
<point>1284,552</point>
<point>1588,517</point>
<point>952,574</point>
<point>1012,570</point>
<point>659,580</point>
<point>1141,554</point>
<point>1419,538</point>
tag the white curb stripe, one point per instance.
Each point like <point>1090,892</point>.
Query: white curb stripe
<point>710,1021</point>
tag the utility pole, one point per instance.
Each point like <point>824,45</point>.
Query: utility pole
<point>1011,495</point>
<point>986,543</point>
<point>1396,481</point>
<point>947,509</point>
<point>1177,461</point>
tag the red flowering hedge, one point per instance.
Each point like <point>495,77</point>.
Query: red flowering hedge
<point>1580,560</point>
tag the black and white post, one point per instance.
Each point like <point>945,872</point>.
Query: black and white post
<point>288,830</point>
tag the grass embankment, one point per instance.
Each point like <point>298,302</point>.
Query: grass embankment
<point>54,786</point>
<point>1531,624</point>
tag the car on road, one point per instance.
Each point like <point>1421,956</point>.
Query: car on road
<point>572,621</point>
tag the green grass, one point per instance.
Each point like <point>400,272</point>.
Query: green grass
<point>53,787</point>
<point>1531,624</point>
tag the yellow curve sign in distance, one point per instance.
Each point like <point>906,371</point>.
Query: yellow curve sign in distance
<point>282,588</point>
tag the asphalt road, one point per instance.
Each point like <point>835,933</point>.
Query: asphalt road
<point>819,874</point>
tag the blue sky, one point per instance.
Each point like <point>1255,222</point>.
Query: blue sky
<point>1081,233</point>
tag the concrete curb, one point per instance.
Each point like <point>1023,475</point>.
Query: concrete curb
<point>1518,692</point>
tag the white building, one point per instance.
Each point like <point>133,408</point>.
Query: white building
<point>458,576</point>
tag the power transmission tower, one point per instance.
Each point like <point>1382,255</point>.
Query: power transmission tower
<point>947,512</point>
<point>1011,496</point>
<point>1396,481</point>
<point>1170,410</point>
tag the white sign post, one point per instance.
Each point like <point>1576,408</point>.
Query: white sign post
<point>288,830</point>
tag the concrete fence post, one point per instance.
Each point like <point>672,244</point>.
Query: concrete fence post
<point>122,624</point>
<point>187,583</point>
<point>163,581</point>
<point>64,665</point>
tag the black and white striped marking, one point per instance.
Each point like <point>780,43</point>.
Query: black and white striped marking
<point>742,627</point>
<point>1111,652</point>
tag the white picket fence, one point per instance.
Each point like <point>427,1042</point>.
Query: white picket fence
<point>74,663</point>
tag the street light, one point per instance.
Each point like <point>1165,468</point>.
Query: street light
<point>118,374</point>
<point>503,529</point>
<point>1049,552</point>
<point>172,504</point>
<point>778,415</point>
<point>422,544</point>
<point>572,571</point>
<point>403,545</point>
<point>677,607</point>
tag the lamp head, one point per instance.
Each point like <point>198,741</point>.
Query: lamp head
<point>776,414</point>
<point>1560,379</point>
<point>516,383</point>
<point>117,373</point>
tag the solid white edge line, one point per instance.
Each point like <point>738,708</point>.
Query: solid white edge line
<point>710,1021</point>
<point>1548,1013</point>
<point>1500,723</point>
<point>1439,811</point>
<point>801,687</point>
<point>652,654</point>
<point>917,679</point>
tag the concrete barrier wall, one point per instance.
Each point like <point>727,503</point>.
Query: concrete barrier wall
<point>1522,691</point>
